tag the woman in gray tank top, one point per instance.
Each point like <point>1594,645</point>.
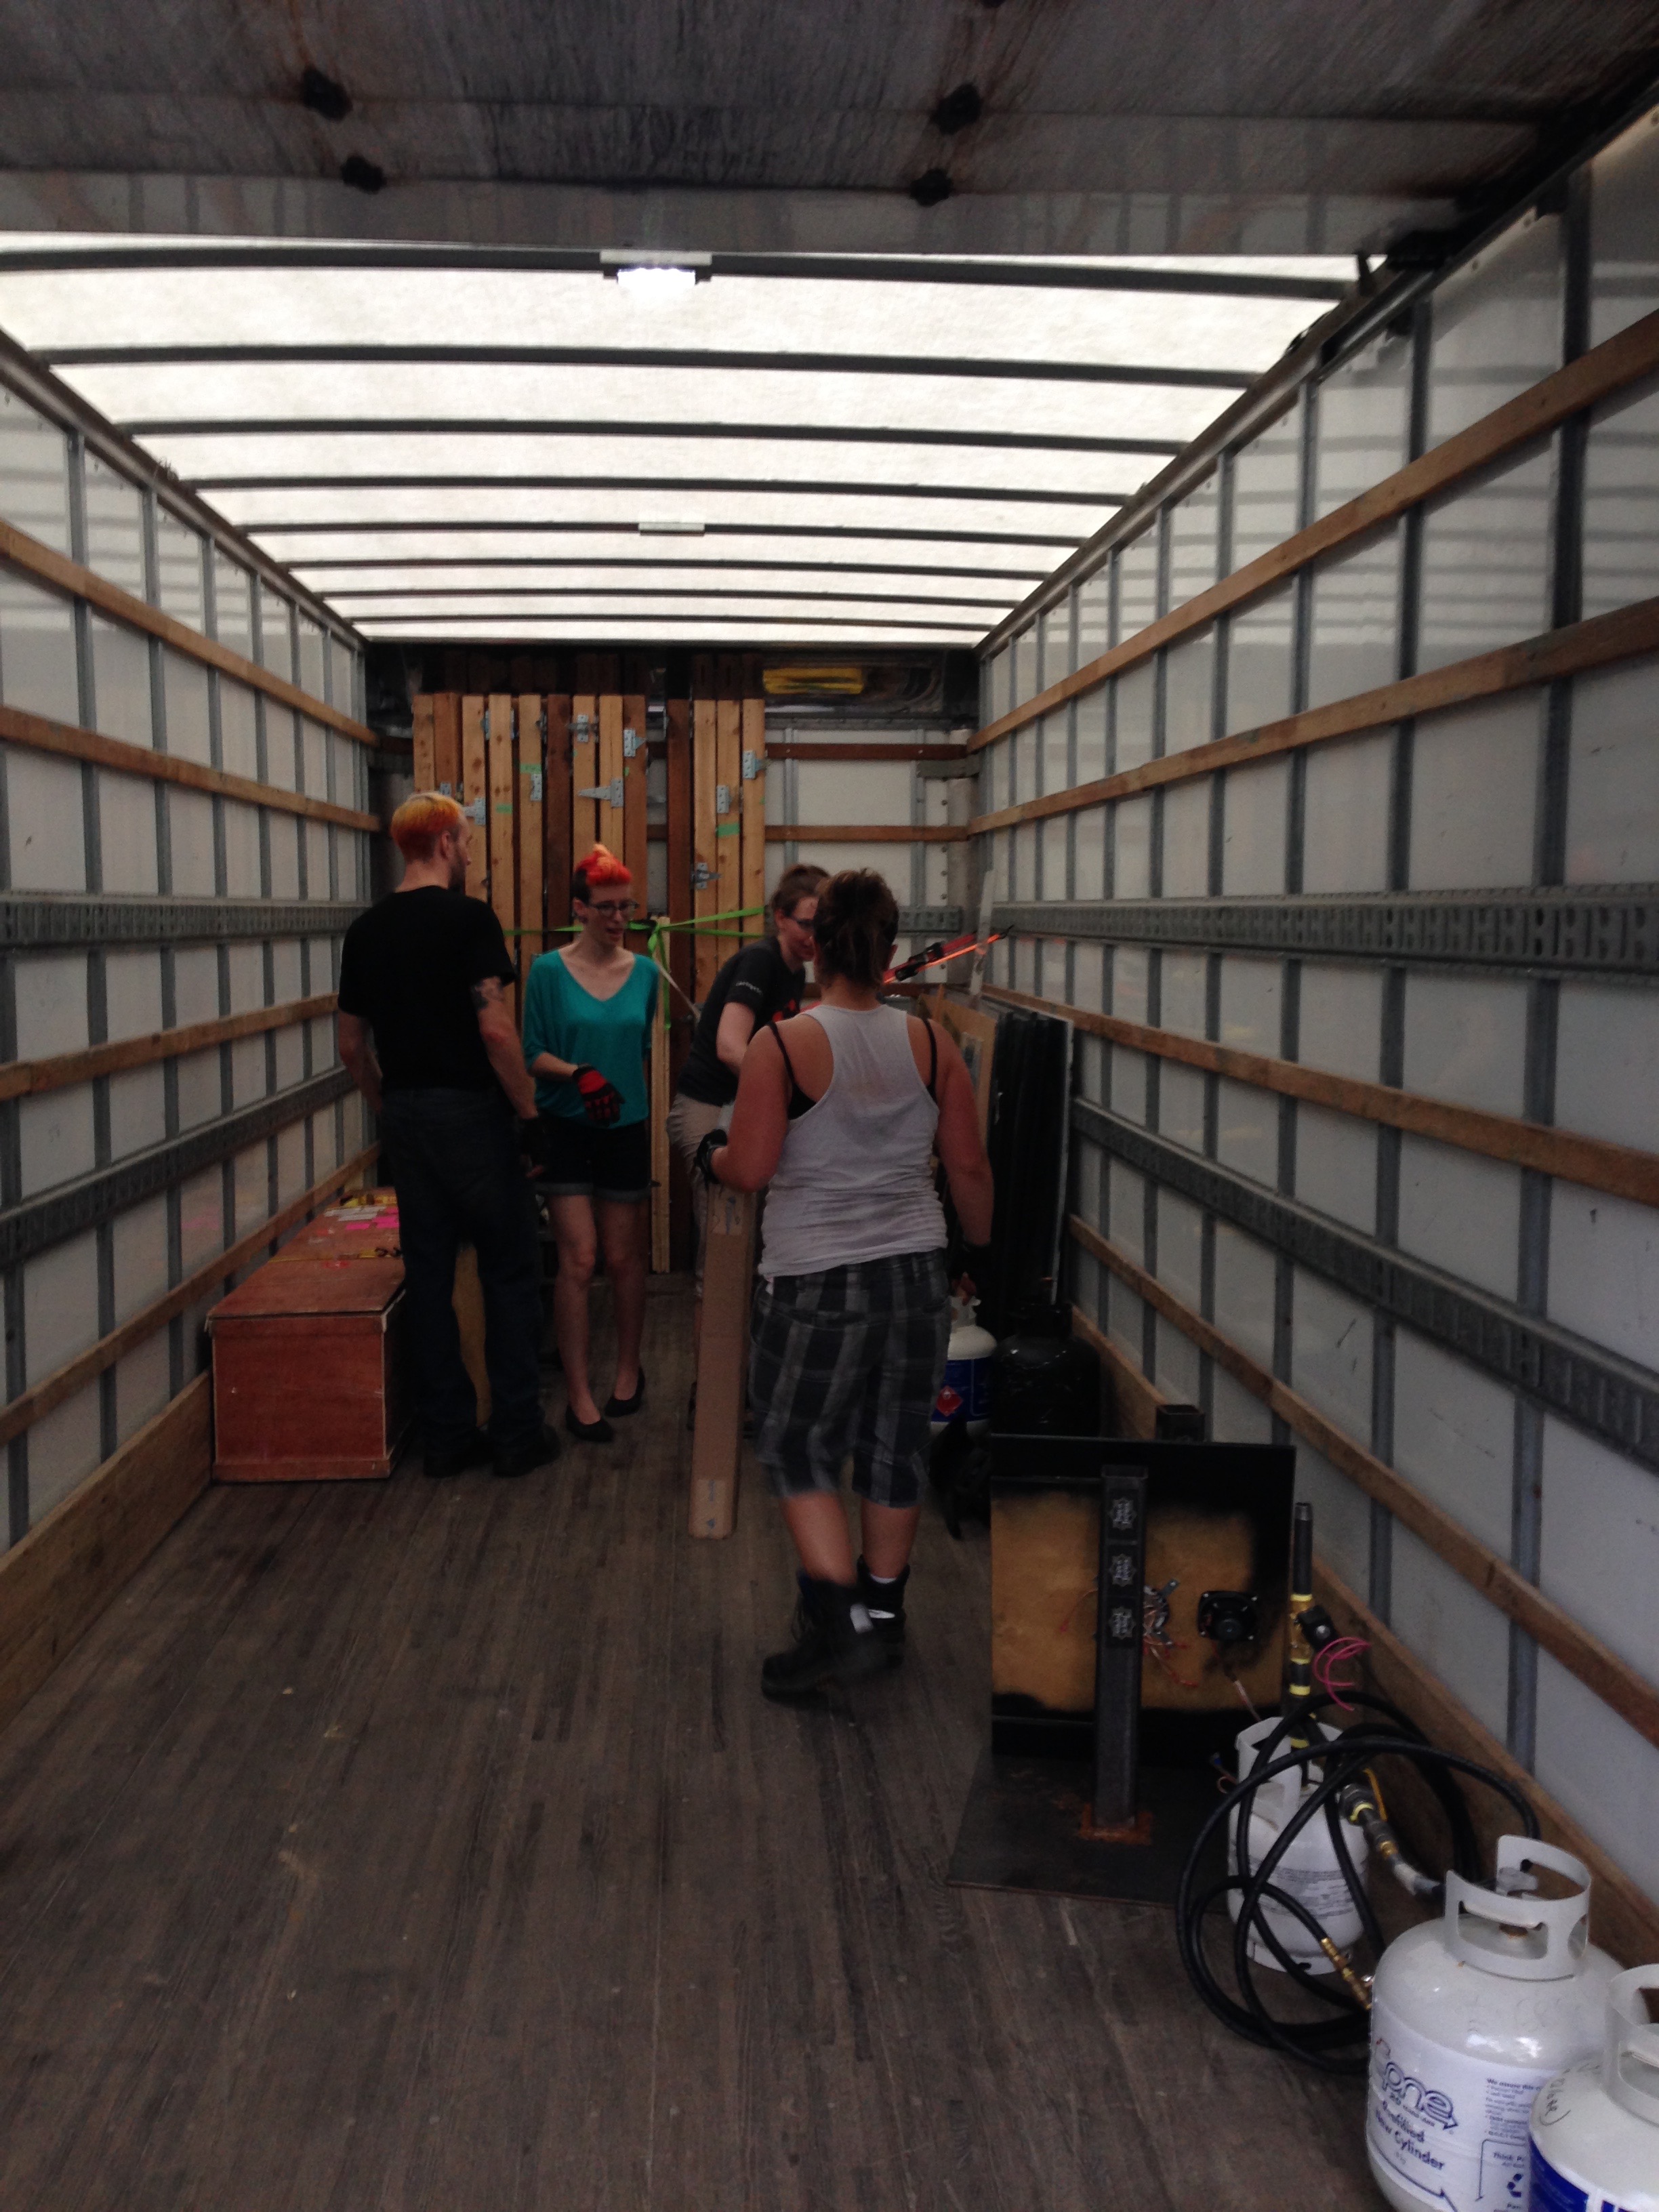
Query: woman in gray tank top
<point>838,1115</point>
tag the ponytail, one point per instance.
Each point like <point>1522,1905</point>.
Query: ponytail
<point>855,927</point>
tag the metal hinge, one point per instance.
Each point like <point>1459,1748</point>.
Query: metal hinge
<point>609,794</point>
<point>535,776</point>
<point>752,766</point>
<point>474,811</point>
<point>703,878</point>
<point>630,744</point>
<point>580,728</point>
<point>722,798</point>
<point>484,721</point>
<point>447,790</point>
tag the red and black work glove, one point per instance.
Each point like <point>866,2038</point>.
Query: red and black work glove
<point>602,1102</point>
<point>703,1164</point>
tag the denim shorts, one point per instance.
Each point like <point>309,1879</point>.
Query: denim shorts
<point>583,1162</point>
<point>850,1360</point>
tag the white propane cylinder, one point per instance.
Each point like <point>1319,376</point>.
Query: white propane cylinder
<point>1595,2128</point>
<point>1471,2014</point>
<point>1309,1870</point>
<point>965,1392</point>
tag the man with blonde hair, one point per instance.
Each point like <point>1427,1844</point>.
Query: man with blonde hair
<point>425,970</point>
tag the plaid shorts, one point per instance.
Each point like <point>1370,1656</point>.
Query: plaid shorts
<point>850,1360</point>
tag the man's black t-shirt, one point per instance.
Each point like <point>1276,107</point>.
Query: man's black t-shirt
<point>758,977</point>
<point>407,969</point>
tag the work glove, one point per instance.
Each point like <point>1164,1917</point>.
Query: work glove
<point>533,1143</point>
<point>602,1102</point>
<point>703,1164</point>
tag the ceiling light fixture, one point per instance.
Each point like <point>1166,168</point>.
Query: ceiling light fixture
<point>652,277</point>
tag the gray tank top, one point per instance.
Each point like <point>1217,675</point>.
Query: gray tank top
<point>855,1178</point>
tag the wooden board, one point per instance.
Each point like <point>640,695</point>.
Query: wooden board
<point>584,774</point>
<point>531,834</point>
<point>556,814</point>
<point>682,952</point>
<point>633,847</point>
<point>752,873</point>
<point>610,772</point>
<point>54,1584</point>
<point>705,844</point>
<point>475,793</point>
<point>425,754</point>
<point>728,831</point>
<point>728,1278</point>
<point>447,743</point>
<point>503,852</point>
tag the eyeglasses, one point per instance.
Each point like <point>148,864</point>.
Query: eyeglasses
<point>612,908</point>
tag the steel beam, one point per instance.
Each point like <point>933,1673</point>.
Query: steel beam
<point>51,921</point>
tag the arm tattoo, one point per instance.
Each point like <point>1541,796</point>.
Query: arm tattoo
<point>487,993</point>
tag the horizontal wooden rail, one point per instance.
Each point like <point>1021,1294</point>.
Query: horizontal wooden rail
<point>1626,1921</point>
<point>29,1079</point>
<point>788,751</point>
<point>33,1404</point>
<point>864,833</point>
<point>1569,651</point>
<point>1616,1683</point>
<point>51,567</point>
<point>1618,1170</point>
<point>1619,361</point>
<point>70,742</point>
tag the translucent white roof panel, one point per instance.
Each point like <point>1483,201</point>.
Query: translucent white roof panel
<point>469,451</point>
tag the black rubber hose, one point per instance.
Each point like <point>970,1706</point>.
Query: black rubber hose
<point>1344,1758</point>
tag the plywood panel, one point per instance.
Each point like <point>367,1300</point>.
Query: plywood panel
<point>475,793</point>
<point>447,742</point>
<point>753,871</point>
<point>609,776</point>
<point>426,772</point>
<point>728,785</point>
<point>556,814</point>
<point>705,846</point>
<point>633,847</point>
<point>584,774</point>
<point>531,848</point>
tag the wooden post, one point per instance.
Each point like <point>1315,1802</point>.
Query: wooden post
<point>634,848</point>
<point>503,858</point>
<point>426,773</point>
<point>722,1360</point>
<point>475,792</point>
<point>705,844</point>
<point>754,813</point>
<point>447,743</point>
<point>555,814</point>
<point>584,774</point>
<point>681,952</point>
<point>532,845</point>
<point>610,777</point>
<point>728,832</point>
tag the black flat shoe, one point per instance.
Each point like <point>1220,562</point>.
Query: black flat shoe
<point>616,1408</point>
<point>590,1432</point>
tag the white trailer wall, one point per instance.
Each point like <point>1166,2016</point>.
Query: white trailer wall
<point>1404,906</point>
<point>129,906</point>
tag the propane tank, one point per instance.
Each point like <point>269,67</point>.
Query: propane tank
<point>1471,2014</point>
<point>1309,1870</point>
<point>965,1394</point>
<point>1045,1382</point>
<point>1595,2128</point>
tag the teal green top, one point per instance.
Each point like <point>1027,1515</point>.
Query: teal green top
<point>609,1034</point>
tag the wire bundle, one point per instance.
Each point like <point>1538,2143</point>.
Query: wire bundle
<point>1345,1760</point>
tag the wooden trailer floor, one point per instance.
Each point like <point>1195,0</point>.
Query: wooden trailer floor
<point>428,1848</point>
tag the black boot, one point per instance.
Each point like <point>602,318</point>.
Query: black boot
<point>834,1642</point>
<point>885,1603</point>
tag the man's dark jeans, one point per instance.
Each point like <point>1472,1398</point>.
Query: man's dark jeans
<point>456,1169</point>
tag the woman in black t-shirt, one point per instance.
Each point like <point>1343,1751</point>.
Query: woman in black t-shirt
<point>760,983</point>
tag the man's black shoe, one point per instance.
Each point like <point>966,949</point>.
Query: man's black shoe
<point>445,1460</point>
<point>530,1452</point>
<point>885,1603</point>
<point>834,1642</point>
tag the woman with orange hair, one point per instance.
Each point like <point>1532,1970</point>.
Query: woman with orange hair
<point>587,1015</point>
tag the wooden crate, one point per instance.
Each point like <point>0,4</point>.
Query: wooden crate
<point>310,1372</point>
